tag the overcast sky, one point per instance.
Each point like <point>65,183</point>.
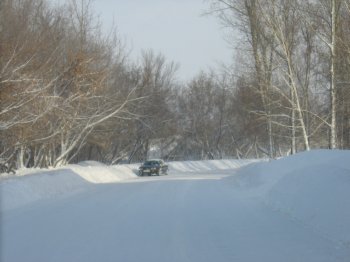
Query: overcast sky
<point>175,28</point>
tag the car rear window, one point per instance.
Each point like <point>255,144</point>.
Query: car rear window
<point>151,163</point>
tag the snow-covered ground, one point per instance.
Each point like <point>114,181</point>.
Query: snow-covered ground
<point>311,187</point>
<point>292,209</point>
<point>30,185</point>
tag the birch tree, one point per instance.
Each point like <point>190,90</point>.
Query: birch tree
<point>326,14</point>
<point>244,14</point>
<point>282,20</point>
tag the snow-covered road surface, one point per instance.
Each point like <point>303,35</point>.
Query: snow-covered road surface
<point>181,217</point>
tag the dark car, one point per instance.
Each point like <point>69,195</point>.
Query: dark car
<point>156,166</point>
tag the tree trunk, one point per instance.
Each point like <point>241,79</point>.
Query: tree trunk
<point>333,94</point>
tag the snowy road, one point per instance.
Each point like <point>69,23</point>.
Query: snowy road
<point>180,217</point>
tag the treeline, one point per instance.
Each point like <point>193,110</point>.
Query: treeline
<point>295,59</point>
<point>70,93</point>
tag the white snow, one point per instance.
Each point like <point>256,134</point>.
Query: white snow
<point>28,187</point>
<point>209,165</point>
<point>312,187</point>
<point>33,185</point>
<point>293,209</point>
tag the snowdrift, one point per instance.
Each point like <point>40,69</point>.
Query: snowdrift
<point>32,185</point>
<point>311,187</point>
<point>209,165</point>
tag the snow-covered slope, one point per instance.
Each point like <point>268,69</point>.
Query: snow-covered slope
<point>210,165</point>
<point>33,185</point>
<point>311,187</point>
<point>293,209</point>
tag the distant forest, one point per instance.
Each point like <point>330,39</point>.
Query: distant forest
<point>71,93</point>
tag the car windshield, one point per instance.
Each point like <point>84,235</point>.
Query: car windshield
<point>151,163</point>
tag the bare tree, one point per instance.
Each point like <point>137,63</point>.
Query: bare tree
<point>55,81</point>
<point>282,20</point>
<point>155,118</point>
<point>326,15</point>
<point>244,14</point>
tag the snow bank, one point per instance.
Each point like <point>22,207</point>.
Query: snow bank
<point>209,165</point>
<point>99,174</point>
<point>32,185</point>
<point>311,187</point>
<point>19,191</point>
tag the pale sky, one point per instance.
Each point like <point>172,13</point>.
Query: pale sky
<point>175,28</point>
